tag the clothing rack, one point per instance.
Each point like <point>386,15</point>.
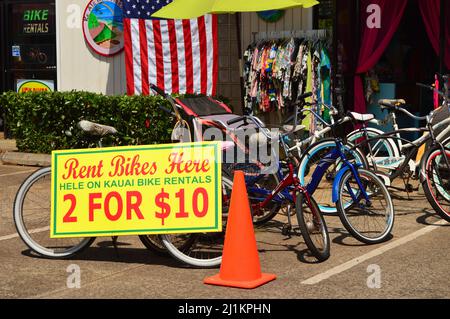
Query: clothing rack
<point>306,34</point>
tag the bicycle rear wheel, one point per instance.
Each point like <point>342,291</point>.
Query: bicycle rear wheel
<point>370,222</point>
<point>313,227</point>
<point>32,213</point>
<point>436,181</point>
<point>205,249</point>
<point>266,182</point>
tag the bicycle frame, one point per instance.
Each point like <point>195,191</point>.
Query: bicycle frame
<point>317,135</point>
<point>410,145</point>
<point>323,166</point>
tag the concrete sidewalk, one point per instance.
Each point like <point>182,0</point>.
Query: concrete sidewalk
<point>9,155</point>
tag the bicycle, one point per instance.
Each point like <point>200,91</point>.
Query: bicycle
<point>311,222</point>
<point>434,166</point>
<point>355,189</point>
<point>31,210</point>
<point>313,149</point>
<point>389,151</point>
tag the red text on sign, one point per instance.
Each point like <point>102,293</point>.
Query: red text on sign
<point>133,202</point>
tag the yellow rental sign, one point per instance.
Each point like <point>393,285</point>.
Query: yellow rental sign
<point>160,189</point>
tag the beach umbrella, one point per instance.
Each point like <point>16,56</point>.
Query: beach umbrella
<point>188,9</point>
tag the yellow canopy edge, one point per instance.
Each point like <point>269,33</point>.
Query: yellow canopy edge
<point>188,9</point>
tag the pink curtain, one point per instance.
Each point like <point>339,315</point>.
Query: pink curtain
<point>431,12</point>
<point>374,41</point>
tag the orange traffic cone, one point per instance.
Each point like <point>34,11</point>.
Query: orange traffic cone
<point>240,261</point>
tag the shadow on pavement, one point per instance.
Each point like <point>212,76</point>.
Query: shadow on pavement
<point>430,218</point>
<point>104,251</point>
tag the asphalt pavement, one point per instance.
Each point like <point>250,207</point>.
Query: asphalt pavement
<point>413,264</point>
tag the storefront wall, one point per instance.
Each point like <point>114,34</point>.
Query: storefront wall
<point>80,68</point>
<point>293,19</point>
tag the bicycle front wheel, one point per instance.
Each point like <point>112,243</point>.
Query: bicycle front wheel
<point>370,220</point>
<point>204,249</point>
<point>309,162</point>
<point>32,213</point>
<point>436,181</point>
<point>313,227</point>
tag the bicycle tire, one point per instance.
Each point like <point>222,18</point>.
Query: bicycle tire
<point>348,215</point>
<point>436,181</point>
<point>306,227</point>
<point>268,182</point>
<point>29,235</point>
<point>315,153</point>
<point>202,254</point>
<point>154,244</point>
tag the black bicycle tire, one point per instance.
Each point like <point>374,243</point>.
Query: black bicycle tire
<point>152,246</point>
<point>321,256</point>
<point>426,186</point>
<point>347,224</point>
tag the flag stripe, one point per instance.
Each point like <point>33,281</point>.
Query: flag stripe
<point>151,53</point>
<point>166,56</point>
<point>174,55</point>
<point>196,55</point>
<point>210,54</point>
<point>128,57</point>
<point>144,56</point>
<point>203,54</point>
<point>188,57</point>
<point>136,56</point>
<point>157,37</point>
<point>179,56</point>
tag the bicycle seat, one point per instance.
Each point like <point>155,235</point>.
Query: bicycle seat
<point>391,104</point>
<point>95,129</point>
<point>361,117</point>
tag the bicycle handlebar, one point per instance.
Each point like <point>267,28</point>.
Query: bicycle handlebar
<point>237,120</point>
<point>432,88</point>
<point>409,114</point>
<point>158,90</point>
<point>165,109</point>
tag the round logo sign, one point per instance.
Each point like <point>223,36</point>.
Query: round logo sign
<point>103,26</point>
<point>271,15</point>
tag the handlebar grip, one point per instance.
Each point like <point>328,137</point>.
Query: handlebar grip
<point>165,109</point>
<point>157,90</point>
<point>236,120</point>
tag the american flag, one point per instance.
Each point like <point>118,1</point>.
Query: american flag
<point>179,56</point>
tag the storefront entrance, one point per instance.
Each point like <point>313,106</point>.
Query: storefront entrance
<point>30,38</point>
<point>410,56</point>
<point>28,46</point>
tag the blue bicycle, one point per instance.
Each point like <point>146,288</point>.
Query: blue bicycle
<point>363,202</point>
